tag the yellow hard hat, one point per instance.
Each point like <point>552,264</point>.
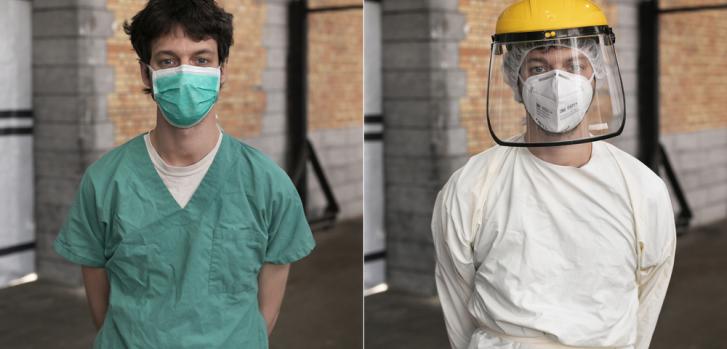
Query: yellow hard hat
<point>544,18</point>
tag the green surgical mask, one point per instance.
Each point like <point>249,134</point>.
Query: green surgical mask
<point>185,94</point>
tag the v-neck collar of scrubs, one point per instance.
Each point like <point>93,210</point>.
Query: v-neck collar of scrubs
<point>180,171</point>
<point>205,192</point>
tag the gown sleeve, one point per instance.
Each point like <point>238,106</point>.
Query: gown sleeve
<point>658,248</point>
<point>454,270</point>
<point>81,238</point>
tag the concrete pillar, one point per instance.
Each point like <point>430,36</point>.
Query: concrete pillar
<point>625,27</point>
<point>423,140</point>
<point>273,137</point>
<point>70,84</point>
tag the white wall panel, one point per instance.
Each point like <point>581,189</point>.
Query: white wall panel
<point>16,142</point>
<point>374,234</point>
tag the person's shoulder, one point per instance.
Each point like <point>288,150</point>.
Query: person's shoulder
<point>467,185</point>
<point>477,167</point>
<point>646,180</point>
<point>488,157</point>
<point>257,164</point>
<point>255,157</point>
<point>106,166</point>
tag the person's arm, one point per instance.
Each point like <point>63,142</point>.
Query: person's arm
<point>289,240</point>
<point>97,292</point>
<point>454,271</point>
<point>652,291</point>
<point>272,280</point>
<point>659,248</point>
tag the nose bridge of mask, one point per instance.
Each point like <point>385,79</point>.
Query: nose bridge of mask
<point>562,84</point>
<point>170,78</point>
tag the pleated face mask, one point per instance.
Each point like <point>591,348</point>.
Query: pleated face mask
<point>185,94</point>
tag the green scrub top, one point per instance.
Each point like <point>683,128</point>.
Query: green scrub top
<point>184,277</point>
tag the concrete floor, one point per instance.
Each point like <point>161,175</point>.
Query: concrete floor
<point>322,307</point>
<point>694,315</point>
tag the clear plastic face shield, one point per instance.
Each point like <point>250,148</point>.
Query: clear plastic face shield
<point>557,91</point>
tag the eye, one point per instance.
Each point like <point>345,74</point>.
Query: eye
<point>203,61</point>
<point>166,62</point>
<point>537,70</point>
<point>576,68</point>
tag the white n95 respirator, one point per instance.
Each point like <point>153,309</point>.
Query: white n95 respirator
<point>557,100</point>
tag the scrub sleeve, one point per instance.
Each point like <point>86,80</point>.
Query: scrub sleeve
<point>81,239</point>
<point>289,237</point>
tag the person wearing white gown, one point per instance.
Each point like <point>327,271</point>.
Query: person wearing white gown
<point>553,238</point>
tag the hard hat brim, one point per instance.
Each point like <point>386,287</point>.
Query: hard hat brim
<point>556,34</point>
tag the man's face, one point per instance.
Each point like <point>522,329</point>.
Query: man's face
<point>544,59</point>
<point>176,49</point>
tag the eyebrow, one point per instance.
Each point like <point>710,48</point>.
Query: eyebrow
<point>570,60</point>
<point>537,59</point>
<point>172,53</point>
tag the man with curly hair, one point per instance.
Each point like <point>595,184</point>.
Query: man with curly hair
<point>184,234</point>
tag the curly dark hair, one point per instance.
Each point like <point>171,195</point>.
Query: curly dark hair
<point>200,20</point>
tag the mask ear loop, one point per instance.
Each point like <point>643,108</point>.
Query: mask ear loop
<point>150,77</point>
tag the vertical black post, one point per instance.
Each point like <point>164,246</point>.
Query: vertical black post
<point>297,101</point>
<point>649,83</point>
<point>651,152</point>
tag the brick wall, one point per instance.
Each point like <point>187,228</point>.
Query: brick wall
<point>335,105</point>
<point>335,66</point>
<point>242,99</point>
<point>687,3</point>
<point>692,90</point>
<point>692,51</point>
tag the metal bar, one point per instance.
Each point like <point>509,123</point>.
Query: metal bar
<point>375,256</point>
<point>16,114</point>
<point>693,9</point>
<point>17,248</point>
<point>685,213</point>
<point>297,101</point>
<point>16,131</point>
<point>335,8</point>
<point>373,119</point>
<point>373,136</point>
<point>648,68</point>
<point>332,208</point>
<point>651,152</point>
<point>300,149</point>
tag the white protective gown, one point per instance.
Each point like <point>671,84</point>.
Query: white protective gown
<point>532,255</point>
